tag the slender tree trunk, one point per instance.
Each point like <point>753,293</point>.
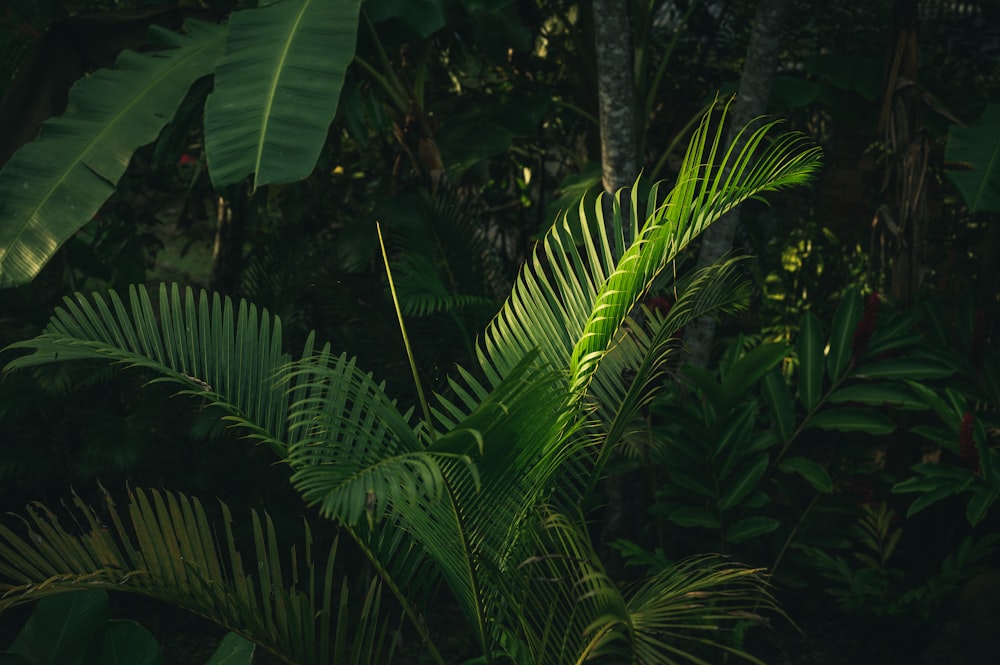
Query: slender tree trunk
<point>615,93</point>
<point>751,102</point>
<point>619,168</point>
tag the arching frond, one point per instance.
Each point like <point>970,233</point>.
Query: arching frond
<point>230,356</point>
<point>573,612</point>
<point>163,546</point>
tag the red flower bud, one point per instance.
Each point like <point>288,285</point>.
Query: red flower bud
<point>866,326</point>
<point>967,451</point>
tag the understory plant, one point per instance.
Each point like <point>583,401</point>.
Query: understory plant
<point>480,491</point>
<point>815,458</point>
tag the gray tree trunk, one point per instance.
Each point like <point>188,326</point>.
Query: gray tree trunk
<point>751,102</point>
<point>619,168</point>
<point>615,93</point>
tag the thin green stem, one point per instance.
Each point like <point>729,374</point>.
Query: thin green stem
<point>406,338</point>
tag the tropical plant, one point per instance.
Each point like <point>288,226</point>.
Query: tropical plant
<point>483,489</point>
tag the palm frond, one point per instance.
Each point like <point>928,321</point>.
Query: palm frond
<point>232,357</point>
<point>164,546</point>
<point>631,371</point>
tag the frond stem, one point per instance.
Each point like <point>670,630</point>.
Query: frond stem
<point>406,340</point>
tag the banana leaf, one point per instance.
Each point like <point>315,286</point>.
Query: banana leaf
<point>57,183</point>
<point>276,89</point>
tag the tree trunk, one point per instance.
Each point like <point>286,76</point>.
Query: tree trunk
<point>751,102</point>
<point>619,168</point>
<point>615,93</point>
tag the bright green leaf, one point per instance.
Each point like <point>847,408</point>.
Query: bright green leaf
<point>276,89</point>
<point>54,185</point>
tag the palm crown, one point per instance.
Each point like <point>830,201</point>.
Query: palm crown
<point>484,490</point>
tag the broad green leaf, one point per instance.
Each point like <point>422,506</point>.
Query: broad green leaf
<point>744,482</point>
<point>975,148</point>
<point>60,627</point>
<point>749,369</point>
<point>896,395</point>
<point>940,436</point>
<point>692,516</point>
<point>810,352</point>
<point>930,498</point>
<point>123,643</point>
<point>276,89</point>
<point>904,368</point>
<point>845,320</point>
<point>54,185</point>
<point>233,650</point>
<point>779,400</point>
<point>852,419</point>
<point>921,483</point>
<point>814,473</point>
<point>979,504</point>
<point>706,382</point>
<point>417,19</point>
<point>750,527</point>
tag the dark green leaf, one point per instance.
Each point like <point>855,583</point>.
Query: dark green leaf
<point>810,352</point>
<point>744,481</point>
<point>979,504</point>
<point>814,473</point>
<point>692,516</point>
<point>904,368</point>
<point>123,643</point>
<point>750,527</point>
<point>749,369</point>
<point>852,419</point>
<point>942,437</point>
<point>929,499</point>
<point>845,320</point>
<point>896,395</point>
<point>233,650</point>
<point>976,148</point>
<point>60,627</point>
<point>706,382</point>
<point>779,400</point>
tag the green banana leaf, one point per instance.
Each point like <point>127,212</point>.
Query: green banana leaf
<point>977,148</point>
<point>56,184</point>
<point>276,89</point>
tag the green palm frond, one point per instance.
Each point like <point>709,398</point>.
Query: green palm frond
<point>232,357</point>
<point>164,546</point>
<point>631,371</point>
<point>575,613</point>
<point>570,300</point>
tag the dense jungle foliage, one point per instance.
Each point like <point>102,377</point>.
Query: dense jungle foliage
<point>321,343</point>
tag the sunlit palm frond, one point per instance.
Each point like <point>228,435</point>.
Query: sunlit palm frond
<point>230,356</point>
<point>631,372</point>
<point>164,546</point>
<point>677,614</point>
<point>573,612</point>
